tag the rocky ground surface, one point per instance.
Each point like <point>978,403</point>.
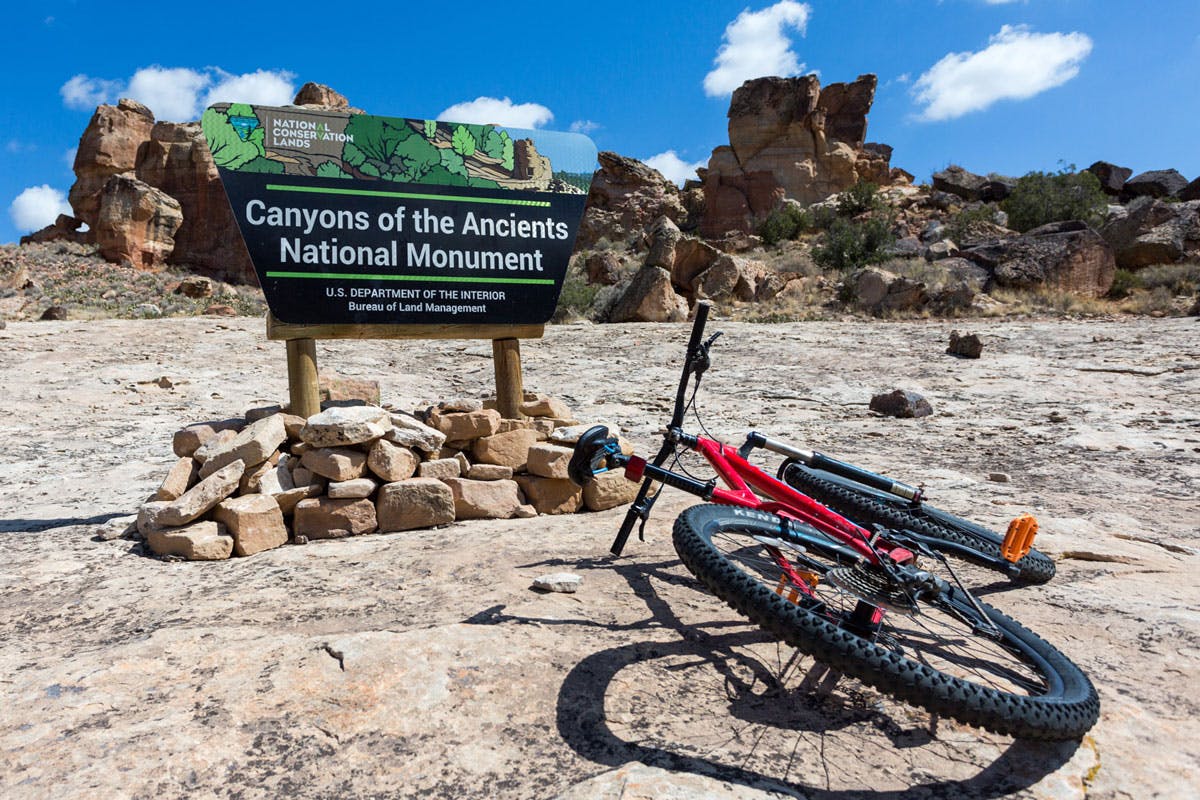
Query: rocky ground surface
<point>423,664</point>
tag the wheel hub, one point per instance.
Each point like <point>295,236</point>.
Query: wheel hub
<point>874,586</point>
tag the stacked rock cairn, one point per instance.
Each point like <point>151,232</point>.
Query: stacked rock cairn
<point>250,484</point>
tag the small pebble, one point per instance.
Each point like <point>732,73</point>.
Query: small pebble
<point>998,477</point>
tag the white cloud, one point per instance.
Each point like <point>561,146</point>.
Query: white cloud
<point>37,207</point>
<point>84,93</point>
<point>262,88</point>
<point>674,168</point>
<point>494,111</point>
<point>584,126</point>
<point>755,44</point>
<point>1016,65</point>
<point>180,94</point>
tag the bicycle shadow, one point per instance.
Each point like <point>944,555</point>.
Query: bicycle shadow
<point>41,525</point>
<point>757,695</point>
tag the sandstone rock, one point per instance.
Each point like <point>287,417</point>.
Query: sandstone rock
<point>650,298</point>
<point>1191,191</point>
<point>549,460</point>
<point>1154,183</point>
<point>461,426</point>
<point>788,138</point>
<point>177,161</point>
<point>624,198</point>
<point>901,403</point>
<point>278,479</point>
<point>254,521</point>
<point>109,146</point>
<point>958,181</point>
<point>64,228</point>
<point>414,503</point>
<point>692,258</point>
<point>318,517</point>
<point>335,463</point>
<point>558,582</point>
<point>321,96</point>
<point>505,449</point>
<point>496,499</point>
<point>1112,178</point>
<point>408,431</point>
<point>195,286</point>
<point>293,424</point>
<point>391,461</point>
<point>289,498</point>
<point>440,468</point>
<point>877,290</point>
<point>147,516</point>
<point>942,249</point>
<point>603,268</point>
<point>252,445</point>
<point>251,481</point>
<point>965,345</point>
<point>1150,231</point>
<point>489,472</point>
<point>663,238</point>
<point>609,490</point>
<point>1067,256</point>
<point>262,412</point>
<point>179,479</point>
<point>545,406</point>
<point>551,495</point>
<point>730,277</point>
<point>334,388</point>
<point>136,223</point>
<point>464,463</point>
<point>354,488</point>
<point>341,426</point>
<point>526,512</point>
<point>202,497</point>
<point>200,541</point>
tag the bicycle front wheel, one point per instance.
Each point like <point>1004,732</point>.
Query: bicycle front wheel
<point>936,656</point>
<point>867,506</point>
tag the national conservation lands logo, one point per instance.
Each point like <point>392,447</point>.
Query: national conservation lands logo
<point>353,218</point>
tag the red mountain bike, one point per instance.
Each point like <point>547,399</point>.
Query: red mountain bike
<point>884,604</point>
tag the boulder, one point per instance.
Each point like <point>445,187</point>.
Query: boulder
<point>789,138</point>
<point>551,495</point>
<point>65,228</point>
<point>957,181</point>
<point>252,445</point>
<point>1112,178</point>
<point>392,462</point>
<point>965,345</point>
<point>321,96</point>
<point>730,277</point>
<point>663,238</point>
<point>414,503</point>
<point>609,490</point>
<point>182,476</point>
<point>335,463</point>
<point>109,146</point>
<point>877,290</point>
<point>461,426</point>
<point>323,517</point>
<point>901,403</point>
<point>334,388</point>
<point>692,257</point>
<point>489,472</point>
<point>1189,192</point>
<point>544,405</point>
<point>510,449</point>
<point>1068,256</point>
<point>1150,231</point>
<point>603,268</point>
<point>473,499</point>
<point>440,468</point>
<point>136,223</point>
<point>353,488</point>
<point>200,541</point>
<point>254,521</point>
<point>408,431</point>
<point>549,460</point>
<point>1154,183</point>
<point>625,198</point>
<point>650,298</point>
<point>201,498</point>
<point>346,425</point>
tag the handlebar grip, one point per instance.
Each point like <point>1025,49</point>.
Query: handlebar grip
<point>698,325</point>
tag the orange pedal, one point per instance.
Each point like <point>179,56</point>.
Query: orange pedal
<point>1019,539</point>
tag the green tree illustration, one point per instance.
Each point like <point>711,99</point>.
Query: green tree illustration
<point>463,142</point>
<point>430,128</point>
<point>330,169</point>
<point>385,150</point>
<point>228,149</point>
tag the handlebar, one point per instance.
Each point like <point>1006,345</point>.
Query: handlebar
<point>640,510</point>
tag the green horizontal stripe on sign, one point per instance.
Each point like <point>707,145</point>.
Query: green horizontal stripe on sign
<point>451,198</point>
<point>350,276</point>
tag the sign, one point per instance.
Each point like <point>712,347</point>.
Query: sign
<point>358,219</point>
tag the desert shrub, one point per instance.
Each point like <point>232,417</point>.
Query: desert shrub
<point>1158,301</point>
<point>1043,197</point>
<point>576,296</point>
<point>961,227</point>
<point>785,222</point>
<point>1178,279</point>
<point>851,244</point>
<point>859,198</point>
<point>1124,282</point>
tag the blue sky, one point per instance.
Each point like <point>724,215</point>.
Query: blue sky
<point>1003,86</point>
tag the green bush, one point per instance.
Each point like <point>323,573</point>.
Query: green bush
<point>577,294</point>
<point>1124,282</point>
<point>1043,197</point>
<point>964,224</point>
<point>1179,279</point>
<point>785,222</point>
<point>849,244</point>
<point>859,198</point>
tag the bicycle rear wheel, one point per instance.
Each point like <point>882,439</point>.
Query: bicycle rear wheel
<point>868,506</point>
<point>1008,681</point>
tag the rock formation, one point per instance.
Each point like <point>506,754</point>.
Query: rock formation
<point>626,197</point>
<point>788,138</point>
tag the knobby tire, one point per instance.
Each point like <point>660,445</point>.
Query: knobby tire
<point>1064,704</point>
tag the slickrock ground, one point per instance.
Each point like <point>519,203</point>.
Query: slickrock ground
<point>422,664</point>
